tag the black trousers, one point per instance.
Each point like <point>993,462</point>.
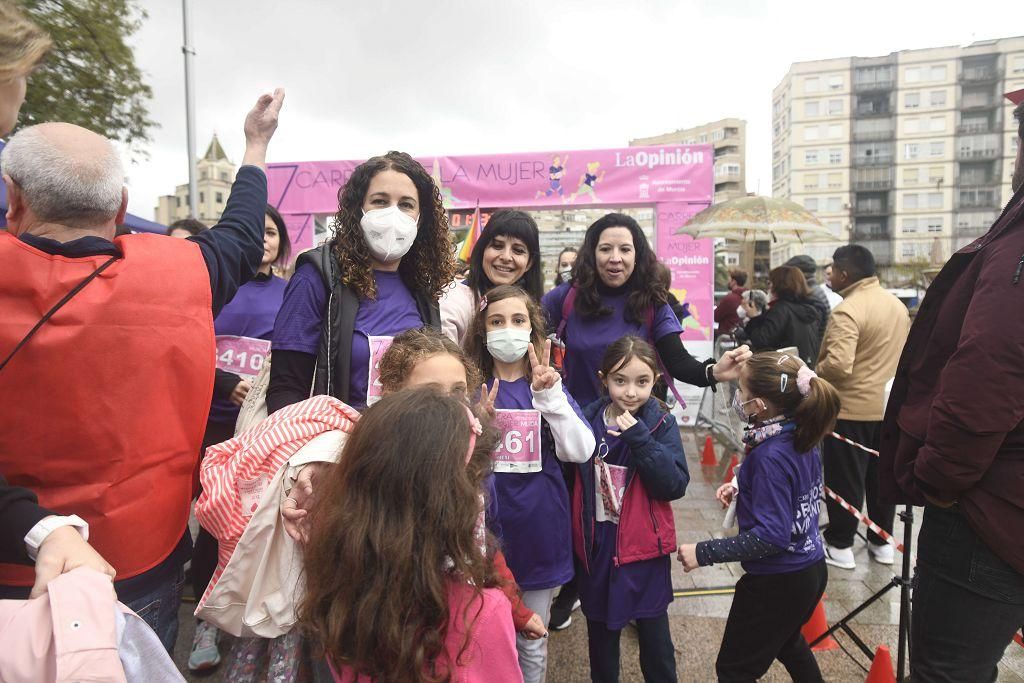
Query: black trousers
<point>204,552</point>
<point>657,654</point>
<point>853,474</point>
<point>764,624</point>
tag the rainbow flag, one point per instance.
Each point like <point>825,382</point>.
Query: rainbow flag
<point>472,235</point>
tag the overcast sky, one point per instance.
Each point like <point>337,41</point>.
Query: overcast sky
<point>433,77</point>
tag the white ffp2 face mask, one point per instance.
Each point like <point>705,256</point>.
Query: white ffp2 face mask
<point>389,233</point>
<point>508,345</point>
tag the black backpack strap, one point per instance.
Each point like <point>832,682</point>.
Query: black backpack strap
<point>56,307</point>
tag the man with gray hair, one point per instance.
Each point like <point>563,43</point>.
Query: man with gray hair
<point>107,350</point>
<point>953,441</point>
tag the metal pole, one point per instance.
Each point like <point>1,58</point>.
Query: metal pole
<point>190,116</point>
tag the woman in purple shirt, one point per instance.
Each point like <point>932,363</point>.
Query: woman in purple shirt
<point>382,273</point>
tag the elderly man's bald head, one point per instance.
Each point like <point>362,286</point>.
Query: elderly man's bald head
<point>66,174</point>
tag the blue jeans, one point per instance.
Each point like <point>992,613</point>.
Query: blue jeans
<point>159,607</point>
<point>967,603</point>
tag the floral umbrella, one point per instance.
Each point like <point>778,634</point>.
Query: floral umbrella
<point>747,219</point>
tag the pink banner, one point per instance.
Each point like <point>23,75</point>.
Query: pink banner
<point>692,263</point>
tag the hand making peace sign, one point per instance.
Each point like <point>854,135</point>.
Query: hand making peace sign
<point>486,401</point>
<point>544,376</point>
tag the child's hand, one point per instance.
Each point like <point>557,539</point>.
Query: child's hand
<point>725,493</point>
<point>534,628</point>
<point>624,421</point>
<point>544,376</point>
<point>687,554</point>
<point>487,397</point>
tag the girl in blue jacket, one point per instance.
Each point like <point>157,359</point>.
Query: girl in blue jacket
<point>778,495</point>
<point>623,528</point>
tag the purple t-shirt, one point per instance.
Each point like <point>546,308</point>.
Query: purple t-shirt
<point>534,507</point>
<point>300,321</point>
<point>779,497</point>
<point>587,340</point>
<point>250,313</point>
<point>635,590</point>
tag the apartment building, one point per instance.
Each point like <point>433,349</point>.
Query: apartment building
<point>909,154</point>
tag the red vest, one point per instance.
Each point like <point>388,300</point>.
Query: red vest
<point>104,409</point>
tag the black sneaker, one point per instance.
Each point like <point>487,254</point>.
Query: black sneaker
<point>561,615</point>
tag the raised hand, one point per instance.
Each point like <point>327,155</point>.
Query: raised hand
<point>624,422</point>
<point>487,398</point>
<point>731,363</point>
<point>544,376</point>
<point>260,124</point>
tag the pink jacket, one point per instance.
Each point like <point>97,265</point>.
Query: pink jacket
<point>490,656</point>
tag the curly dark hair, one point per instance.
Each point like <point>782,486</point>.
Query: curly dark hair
<point>411,347</point>
<point>429,267</point>
<point>644,287</point>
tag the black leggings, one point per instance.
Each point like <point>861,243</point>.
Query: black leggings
<point>764,624</point>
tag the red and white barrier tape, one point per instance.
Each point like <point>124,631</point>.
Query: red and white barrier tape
<point>863,519</point>
<point>853,443</point>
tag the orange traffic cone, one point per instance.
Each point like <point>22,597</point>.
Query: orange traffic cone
<point>708,458</point>
<point>881,667</point>
<point>731,471</point>
<point>817,625</point>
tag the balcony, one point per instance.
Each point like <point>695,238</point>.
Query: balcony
<point>980,197</point>
<point>873,135</point>
<point>971,128</point>
<point>977,154</point>
<point>979,74</point>
<point>970,103</point>
<point>874,160</point>
<point>879,246</point>
<point>872,185</point>
<point>873,85</point>
<point>872,209</point>
<point>971,231</point>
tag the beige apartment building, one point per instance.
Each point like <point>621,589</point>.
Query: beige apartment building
<point>728,136</point>
<point>215,174</point>
<point>910,154</point>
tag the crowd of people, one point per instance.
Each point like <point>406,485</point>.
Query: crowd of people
<point>405,473</point>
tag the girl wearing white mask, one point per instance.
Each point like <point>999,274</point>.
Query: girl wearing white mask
<point>506,253</point>
<point>541,424</point>
<point>381,274</point>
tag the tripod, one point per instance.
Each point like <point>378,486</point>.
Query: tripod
<point>903,581</point>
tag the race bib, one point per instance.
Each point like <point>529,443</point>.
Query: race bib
<point>519,450</point>
<point>241,356</point>
<point>611,482</point>
<point>374,389</point>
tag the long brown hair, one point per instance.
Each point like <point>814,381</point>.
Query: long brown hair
<point>788,282</point>
<point>815,414</point>
<point>476,340</point>
<point>394,524</point>
<point>411,347</point>
<point>429,266</point>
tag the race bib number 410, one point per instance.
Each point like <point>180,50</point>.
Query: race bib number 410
<point>519,450</point>
<point>242,356</point>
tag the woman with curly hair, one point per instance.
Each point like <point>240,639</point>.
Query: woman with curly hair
<point>397,585</point>
<point>507,253</point>
<point>382,273</point>
<point>615,292</point>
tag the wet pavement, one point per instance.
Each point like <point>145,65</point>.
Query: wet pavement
<point>698,619</point>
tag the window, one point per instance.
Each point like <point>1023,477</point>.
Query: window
<point>936,149</point>
<point>912,126</point>
<point>202,197</point>
<point>911,150</point>
<point>938,98</point>
<point>202,175</point>
<point>909,250</point>
<point>177,202</point>
<point>835,131</point>
<point>912,75</point>
<point>224,176</point>
<point>220,198</point>
<point>718,135</point>
<point>811,203</point>
<point>910,176</point>
<point>810,133</point>
<point>910,201</point>
<point>934,200</point>
<point>936,174</point>
<point>937,124</point>
<point>810,181</point>
<point>812,85</point>
<point>912,100</point>
<point>811,156</point>
<point>835,107</point>
<point>704,138</point>
<point>835,156</point>
<point>934,223</point>
<point>1018,64</point>
<point>811,108</point>
<point>834,205</point>
<point>937,73</point>
<point>909,225</point>
<point>835,83</point>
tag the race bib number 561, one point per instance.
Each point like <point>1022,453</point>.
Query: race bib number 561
<point>519,450</point>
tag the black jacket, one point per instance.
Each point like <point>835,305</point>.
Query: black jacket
<point>787,322</point>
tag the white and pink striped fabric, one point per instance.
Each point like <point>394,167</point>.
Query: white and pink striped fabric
<point>235,473</point>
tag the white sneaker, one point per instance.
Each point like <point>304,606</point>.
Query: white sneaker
<point>840,557</point>
<point>882,554</point>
